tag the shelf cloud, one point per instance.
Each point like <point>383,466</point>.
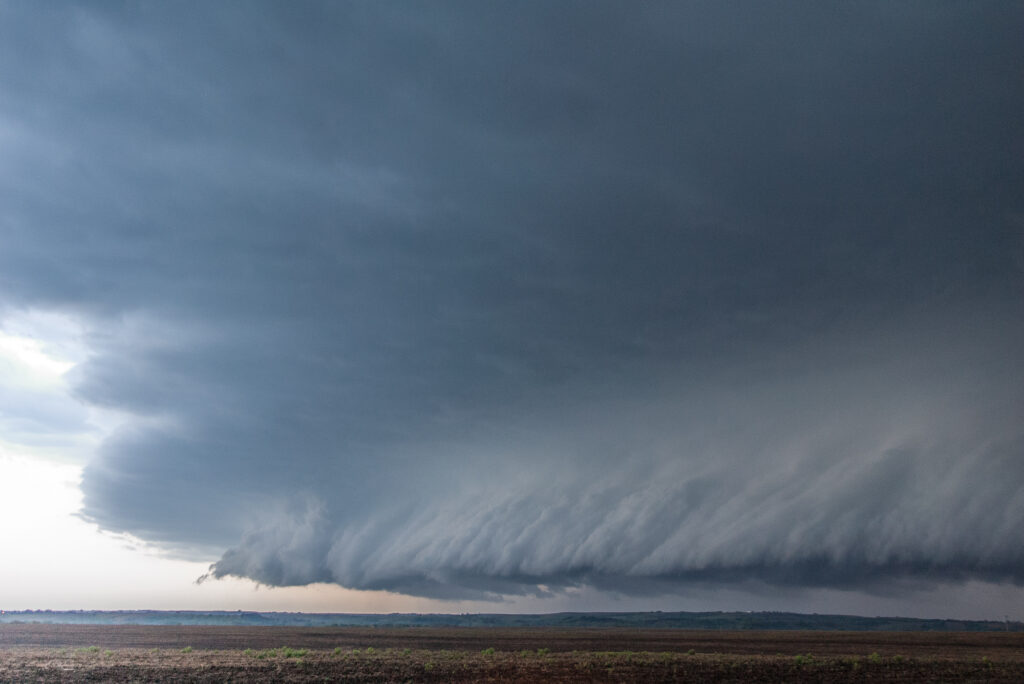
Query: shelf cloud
<point>471,301</point>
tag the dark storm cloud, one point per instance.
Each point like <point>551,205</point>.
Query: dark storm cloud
<point>464,300</point>
<point>846,469</point>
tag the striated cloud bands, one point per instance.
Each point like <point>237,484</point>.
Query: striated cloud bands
<point>484,300</point>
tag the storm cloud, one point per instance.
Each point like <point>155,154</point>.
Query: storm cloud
<point>473,300</point>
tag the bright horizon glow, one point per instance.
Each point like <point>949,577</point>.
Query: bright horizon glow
<point>55,560</point>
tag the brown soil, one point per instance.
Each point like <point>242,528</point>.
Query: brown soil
<point>74,653</point>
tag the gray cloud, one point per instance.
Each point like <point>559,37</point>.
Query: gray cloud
<point>473,300</point>
<point>870,470</point>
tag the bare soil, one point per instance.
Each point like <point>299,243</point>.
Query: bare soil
<point>122,653</point>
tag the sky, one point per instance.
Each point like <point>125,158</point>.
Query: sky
<point>512,306</point>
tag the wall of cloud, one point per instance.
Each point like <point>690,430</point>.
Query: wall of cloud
<point>835,471</point>
<point>485,300</point>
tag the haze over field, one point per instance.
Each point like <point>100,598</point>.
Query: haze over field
<point>513,306</point>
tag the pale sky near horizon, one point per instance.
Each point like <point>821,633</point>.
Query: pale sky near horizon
<point>512,307</point>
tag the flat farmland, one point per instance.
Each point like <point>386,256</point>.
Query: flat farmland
<point>72,653</point>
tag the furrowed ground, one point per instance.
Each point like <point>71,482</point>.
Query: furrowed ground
<point>71,653</point>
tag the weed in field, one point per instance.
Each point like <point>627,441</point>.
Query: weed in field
<point>543,651</point>
<point>288,652</point>
<point>370,650</point>
<point>874,658</point>
<point>187,649</point>
<point>488,651</point>
<point>406,651</point>
<point>108,653</point>
<point>337,650</point>
<point>691,652</point>
<point>249,652</point>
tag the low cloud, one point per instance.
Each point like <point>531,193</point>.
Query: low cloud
<point>483,301</point>
<point>832,471</point>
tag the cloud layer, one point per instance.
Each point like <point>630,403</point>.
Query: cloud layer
<point>838,471</point>
<point>474,300</point>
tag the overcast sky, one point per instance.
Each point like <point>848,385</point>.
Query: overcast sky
<point>527,304</point>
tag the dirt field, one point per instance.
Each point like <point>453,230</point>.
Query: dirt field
<point>73,653</point>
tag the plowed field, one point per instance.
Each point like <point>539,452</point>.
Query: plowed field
<point>122,653</point>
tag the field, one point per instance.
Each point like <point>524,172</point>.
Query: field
<point>72,653</point>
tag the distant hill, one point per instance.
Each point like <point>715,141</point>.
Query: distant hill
<point>655,620</point>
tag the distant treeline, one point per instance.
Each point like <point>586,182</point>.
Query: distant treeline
<point>655,620</point>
